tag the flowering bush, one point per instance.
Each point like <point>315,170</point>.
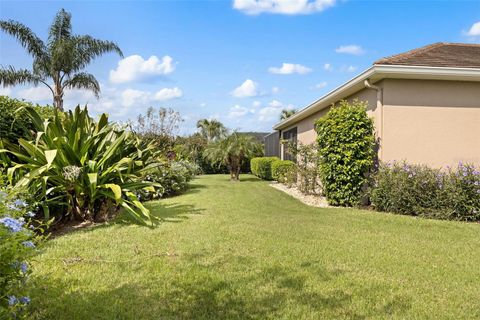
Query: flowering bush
<point>423,191</point>
<point>18,242</point>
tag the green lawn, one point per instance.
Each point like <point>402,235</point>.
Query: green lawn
<point>247,251</point>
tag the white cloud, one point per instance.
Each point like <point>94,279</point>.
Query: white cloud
<point>328,67</point>
<point>203,104</point>
<point>350,49</point>
<point>272,111</point>
<point>256,104</point>
<point>289,7</point>
<point>237,111</point>
<point>35,94</point>
<point>474,30</point>
<point>348,69</point>
<point>248,88</point>
<point>168,94</point>
<point>320,85</point>
<point>135,68</point>
<point>290,68</point>
<point>132,97</point>
<point>275,90</point>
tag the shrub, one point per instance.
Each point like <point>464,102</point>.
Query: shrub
<point>422,191</point>
<point>262,167</point>
<point>347,150</point>
<point>15,123</point>
<point>17,244</point>
<point>173,177</point>
<point>284,171</point>
<point>81,168</point>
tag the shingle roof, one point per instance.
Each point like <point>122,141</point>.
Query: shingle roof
<point>441,54</point>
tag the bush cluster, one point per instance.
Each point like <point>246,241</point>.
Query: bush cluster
<point>15,123</point>
<point>262,167</point>
<point>417,190</point>
<point>284,171</point>
<point>173,178</point>
<point>18,242</point>
<point>347,149</point>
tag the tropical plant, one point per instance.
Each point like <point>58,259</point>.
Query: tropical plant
<point>346,145</point>
<point>83,168</point>
<point>233,151</point>
<point>287,113</point>
<point>212,130</point>
<point>62,59</point>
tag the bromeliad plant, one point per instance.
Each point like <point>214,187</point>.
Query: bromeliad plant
<point>82,169</point>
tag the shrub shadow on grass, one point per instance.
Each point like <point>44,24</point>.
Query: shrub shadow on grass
<point>172,212</point>
<point>274,292</point>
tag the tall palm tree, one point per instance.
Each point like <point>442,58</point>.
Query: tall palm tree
<point>61,59</point>
<point>211,129</point>
<point>232,151</point>
<point>287,113</point>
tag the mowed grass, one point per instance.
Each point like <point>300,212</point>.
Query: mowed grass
<point>247,251</point>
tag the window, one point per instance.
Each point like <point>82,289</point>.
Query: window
<point>289,136</point>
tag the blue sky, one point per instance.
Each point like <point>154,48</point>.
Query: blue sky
<point>238,61</point>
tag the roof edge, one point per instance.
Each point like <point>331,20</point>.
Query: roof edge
<point>380,72</point>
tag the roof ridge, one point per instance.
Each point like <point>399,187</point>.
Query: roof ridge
<point>411,52</point>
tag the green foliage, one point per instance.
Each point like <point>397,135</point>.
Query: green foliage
<point>422,191</point>
<point>81,168</point>
<point>262,167</point>
<point>284,171</point>
<point>18,242</point>
<point>172,176</point>
<point>212,130</point>
<point>14,122</point>
<point>232,152</point>
<point>307,157</point>
<point>347,150</point>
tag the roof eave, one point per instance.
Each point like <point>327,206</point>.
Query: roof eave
<point>378,72</point>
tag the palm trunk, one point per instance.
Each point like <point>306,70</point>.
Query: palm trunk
<point>58,95</point>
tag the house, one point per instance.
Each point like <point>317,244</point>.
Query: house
<point>425,104</point>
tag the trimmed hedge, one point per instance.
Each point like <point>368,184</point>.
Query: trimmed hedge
<point>347,149</point>
<point>422,191</point>
<point>283,170</point>
<point>262,167</point>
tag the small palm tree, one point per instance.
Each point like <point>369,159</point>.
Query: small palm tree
<point>211,129</point>
<point>232,151</point>
<point>287,113</point>
<point>61,59</point>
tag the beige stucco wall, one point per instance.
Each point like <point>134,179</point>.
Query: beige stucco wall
<point>431,122</point>
<point>426,122</point>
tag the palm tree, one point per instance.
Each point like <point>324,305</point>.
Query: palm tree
<point>232,151</point>
<point>211,129</point>
<point>287,113</point>
<point>61,59</point>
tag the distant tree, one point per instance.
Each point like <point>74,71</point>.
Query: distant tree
<point>158,125</point>
<point>232,151</point>
<point>61,59</point>
<point>212,130</point>
<point>287,113</point>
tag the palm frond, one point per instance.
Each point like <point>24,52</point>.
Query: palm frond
<point>61,27</point>
<point>29,40</point>
<point>83,80</point>
<point>10,77</point>
<point>86,48</point>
